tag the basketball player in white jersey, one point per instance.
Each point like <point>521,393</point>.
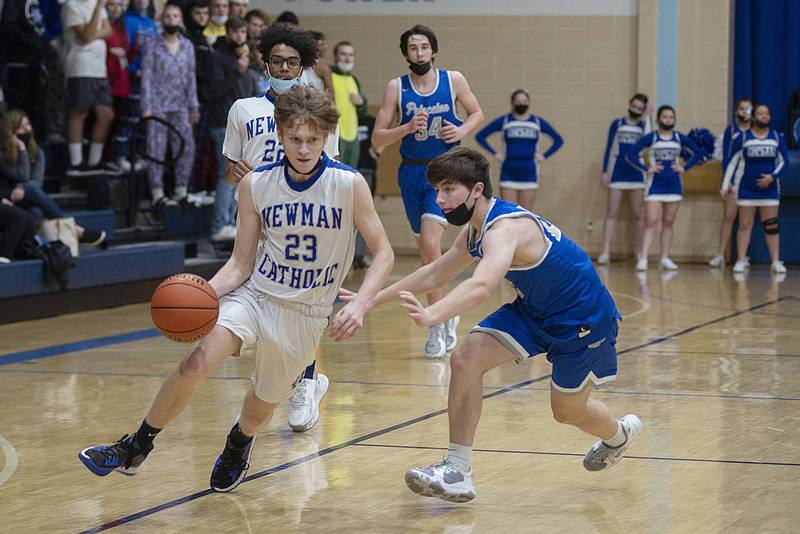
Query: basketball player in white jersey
<point>251,140</point>
<point>294,246</point>
<point>428,125</point>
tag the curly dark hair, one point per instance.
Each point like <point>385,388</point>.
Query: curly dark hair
<point>282,33</point>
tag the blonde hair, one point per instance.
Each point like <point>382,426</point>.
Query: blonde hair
<point>305,104</point>
<point>8,127</point>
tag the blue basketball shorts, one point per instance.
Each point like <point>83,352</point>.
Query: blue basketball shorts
<point>575,363</point>
<point>419,197</point>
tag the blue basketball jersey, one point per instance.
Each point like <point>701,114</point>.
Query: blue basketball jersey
<point>565,297</point>
<point>439,104</point>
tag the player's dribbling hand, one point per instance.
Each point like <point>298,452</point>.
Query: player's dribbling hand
<point>418,313</point>
<point>419,123</point>
<point>347,322</point>
<point>450,133</point>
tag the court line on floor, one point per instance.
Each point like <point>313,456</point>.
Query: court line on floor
<point>403,384</point>
<point>398,426</point>
<point>11,459</point>
<point>575,454</point>
<point>76,346</point>
<point>287,465</point>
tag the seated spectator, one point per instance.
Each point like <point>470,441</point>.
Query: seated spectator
<point>117,61</point>
<point>16,226</point>
<point>219,16</point>
<point>85,29</point>
<point>169,91</point>
<point>22,172</point>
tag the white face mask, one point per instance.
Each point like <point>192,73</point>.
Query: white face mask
<point>220,20</point>
<point>344,67</point>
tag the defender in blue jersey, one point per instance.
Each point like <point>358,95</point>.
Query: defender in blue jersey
<point>743,114</point>
<point>427,125</point>
<point>562,310</point>
<point>623,134</point>
<point>664,189</point>
<point>519,176</point>
<point>758,159</point>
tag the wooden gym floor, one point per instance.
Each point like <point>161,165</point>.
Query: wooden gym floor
<point>711,364</point>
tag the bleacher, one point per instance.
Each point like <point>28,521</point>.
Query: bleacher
<point>143,248</point>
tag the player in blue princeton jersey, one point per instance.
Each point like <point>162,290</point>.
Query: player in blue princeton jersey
<point>758,159</point>
<point>664,190</point>
<point>294,245</point>
<point>562,310</point>
<point>622,135</point>
<point>428,125</point>
<point>742,120</point>
<point>519,176</point>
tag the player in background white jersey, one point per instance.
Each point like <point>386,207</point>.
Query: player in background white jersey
<point>294,245</point>
<point>251,140</point>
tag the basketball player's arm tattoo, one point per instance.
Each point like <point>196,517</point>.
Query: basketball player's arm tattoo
<point>240,265</point>
<point>432,276</point>
<point>383,134</point>
<point>499,245</point>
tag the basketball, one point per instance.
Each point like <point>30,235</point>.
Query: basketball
<point>184,307</point>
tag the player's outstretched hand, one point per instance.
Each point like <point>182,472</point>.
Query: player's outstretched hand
<point>346,295</point>
<point>450,133</point>
<point>347,322</point>
<point>416,310</point>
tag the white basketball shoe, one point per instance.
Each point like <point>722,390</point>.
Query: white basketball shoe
<point>304,404</point>
<point>443,480</point>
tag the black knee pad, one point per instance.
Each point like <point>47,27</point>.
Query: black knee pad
<point>770,226</point>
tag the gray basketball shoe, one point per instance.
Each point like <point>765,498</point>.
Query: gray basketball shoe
<point>441,480</point>
<point>601,456</point>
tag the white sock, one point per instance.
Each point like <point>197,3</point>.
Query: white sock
<point>75,154</point>
<point>180,191</point>
<point>95,153</point>
<point>618,439</point>
<point>460,456</point>
<point>157,192</point>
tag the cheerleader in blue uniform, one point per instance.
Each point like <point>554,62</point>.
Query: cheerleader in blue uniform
<point>663,189</point>
<point>758,161</point>
<point>519,177</point>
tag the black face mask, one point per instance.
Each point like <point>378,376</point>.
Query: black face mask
<point>172,30</point>
<point>756,122</point>
<point>519,109</point>
<point>665,126</point>
<point>461,214</point>
<point>419,69</point>
<point>25,137</point>
<point>634,114</point>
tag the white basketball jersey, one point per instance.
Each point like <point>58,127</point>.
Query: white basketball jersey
<point>307,232</point>
<point>251,133</point>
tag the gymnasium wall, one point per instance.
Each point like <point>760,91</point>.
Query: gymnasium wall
<point>581,61</point>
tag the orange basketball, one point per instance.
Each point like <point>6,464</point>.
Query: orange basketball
<point>184,307</point>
